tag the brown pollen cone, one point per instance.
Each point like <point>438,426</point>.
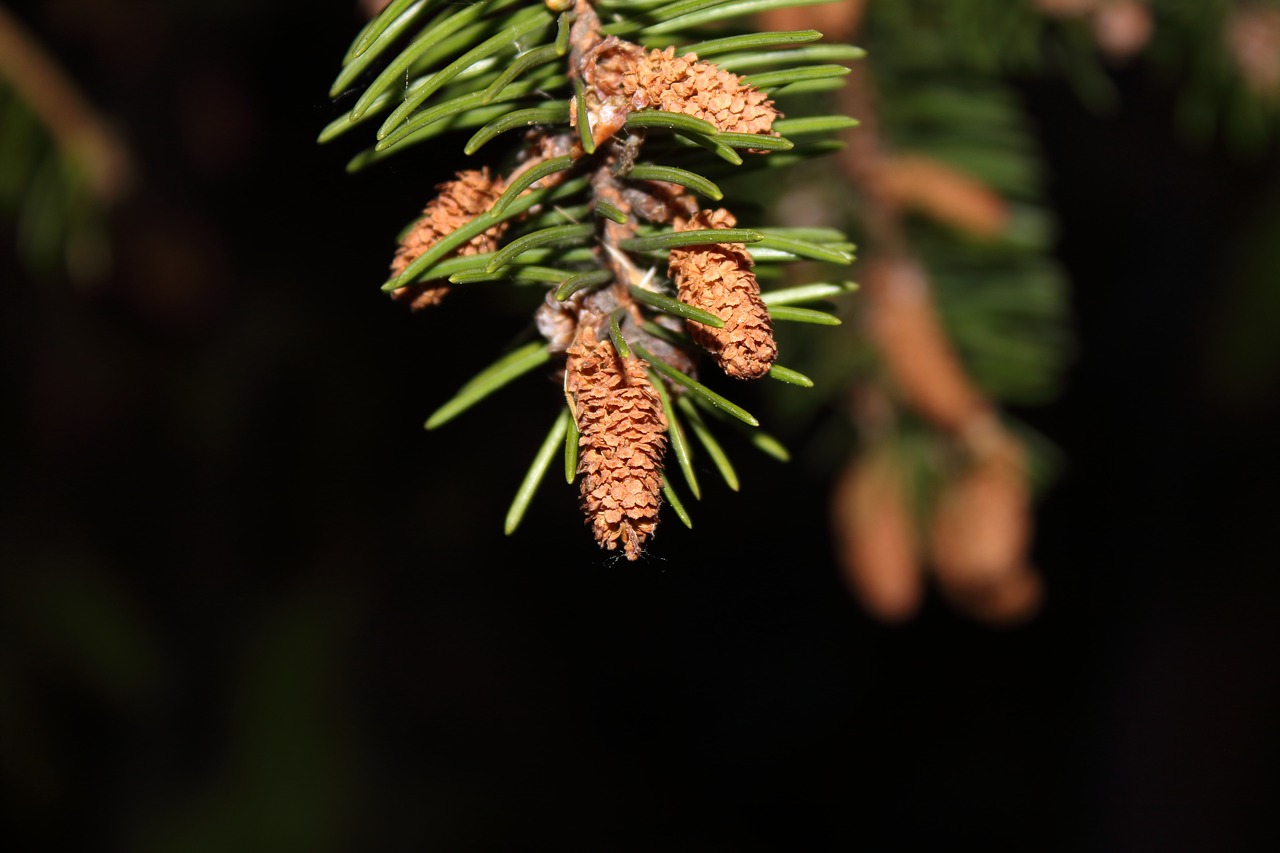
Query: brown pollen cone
<point>718,279</point>
<point>941,192</point>
<point>470,194</point>
<point>903,323</point>
<point>702,90</point>
<point>1015,599</point>
<point>661,80</point>
<point>623,439</point>
<point>979,535</point>
<point>875,537</point>
<point>1122,28</point>
<point>1252,37</point>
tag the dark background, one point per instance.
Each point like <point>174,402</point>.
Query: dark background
<point>248,604</point>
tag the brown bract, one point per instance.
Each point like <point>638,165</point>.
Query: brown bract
<point>717,278</point>
<point>1067,8</point>
<point>623,439</point>
<point>470,194</point>
<point>1122,28</point>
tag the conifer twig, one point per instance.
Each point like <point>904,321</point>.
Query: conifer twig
<point>80,132</point>
<point>643,285</point>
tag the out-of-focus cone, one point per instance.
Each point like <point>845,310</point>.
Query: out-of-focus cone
<point>875,536</point>
<point>979,533</point>
<point>1253,42</point>
<point>838,21</point>
<point>904,325</point>
<point>371,8</point>
<point>945,194</point>
<point>1015,599</point>
<point>1122,28</point>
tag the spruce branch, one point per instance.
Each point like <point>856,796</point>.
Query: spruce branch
<point>595,196</point>
<point>937,484</point>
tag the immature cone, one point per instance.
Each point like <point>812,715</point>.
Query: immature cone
<point>472,193</point>
<point>623,439</point>
<point>717,278</point>
<point>980,530</point>
<point>875,537</point>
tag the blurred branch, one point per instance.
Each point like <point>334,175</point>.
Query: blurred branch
<point>968,523</point>
<point>902,319</point>
<point>79,131</point>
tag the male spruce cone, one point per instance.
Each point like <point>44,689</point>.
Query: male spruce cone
<point>623,438</point>
<point>700,89</point>
<point>627,77</point>
<point>718,278</point>
<point>461,200</point>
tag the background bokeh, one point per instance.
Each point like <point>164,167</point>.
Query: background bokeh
<point>247,603</point>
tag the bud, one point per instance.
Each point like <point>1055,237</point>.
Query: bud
<point>717,278</point>
<point>623,439</point>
